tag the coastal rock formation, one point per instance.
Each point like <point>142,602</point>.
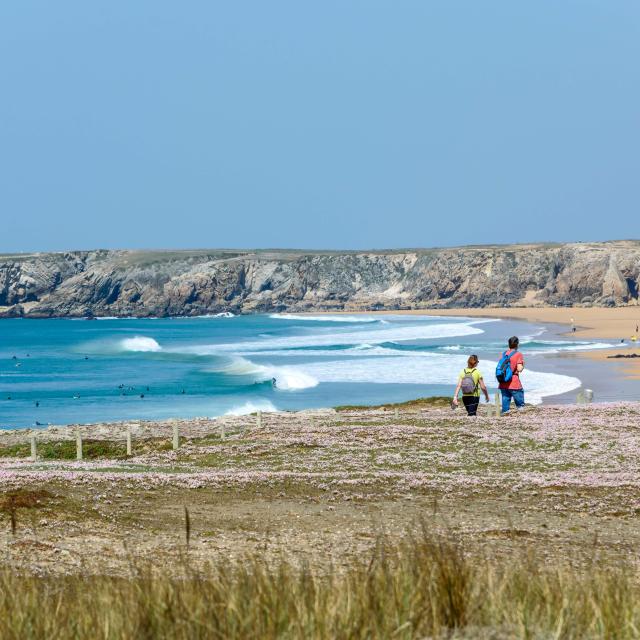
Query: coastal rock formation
<point>151,283</point>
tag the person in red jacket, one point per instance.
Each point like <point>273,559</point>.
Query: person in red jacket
<point>513,388</point>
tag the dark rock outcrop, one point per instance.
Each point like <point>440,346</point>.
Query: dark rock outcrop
<point>151,283</point>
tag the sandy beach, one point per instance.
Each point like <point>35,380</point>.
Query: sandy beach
<point>594,322</point>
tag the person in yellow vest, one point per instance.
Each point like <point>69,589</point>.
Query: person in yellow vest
<point>470,382</point>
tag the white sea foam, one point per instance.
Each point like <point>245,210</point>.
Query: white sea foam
<point>327,318</point>
<point>139,343</point>
<point>428,368</point>
<point>388,333</point>
<point>532,336</point>
<point>551,346</point>
<point>123,318</point>
<point>539,384</point>
<point>251,406</point>
<point>291,378</point>
<point>287,378</point>
<point>224,314</point>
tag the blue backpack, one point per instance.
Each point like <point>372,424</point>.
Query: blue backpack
<point>503,368</point>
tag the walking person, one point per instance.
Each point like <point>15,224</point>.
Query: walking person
<point>470,381</point>
<point>508,373</point>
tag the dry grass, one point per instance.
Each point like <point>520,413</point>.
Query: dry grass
<point>424,587</point>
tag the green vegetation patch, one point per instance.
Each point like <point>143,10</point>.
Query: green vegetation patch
<point>91,449</point>
<point>418,403</point>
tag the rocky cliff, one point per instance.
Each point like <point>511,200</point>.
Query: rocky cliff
<point>149,283</point>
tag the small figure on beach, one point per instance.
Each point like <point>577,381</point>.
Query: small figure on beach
<point>508,373</point>
<point>470,381</point>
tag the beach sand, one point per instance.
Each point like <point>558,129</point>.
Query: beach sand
<point>616,323</point>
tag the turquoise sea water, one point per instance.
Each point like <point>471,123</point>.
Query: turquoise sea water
<point>68,371</point>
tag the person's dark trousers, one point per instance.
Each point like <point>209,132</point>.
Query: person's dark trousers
<point>471,404</point>
<point>516,394</point>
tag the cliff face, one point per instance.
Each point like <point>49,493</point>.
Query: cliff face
<point>147,283</point>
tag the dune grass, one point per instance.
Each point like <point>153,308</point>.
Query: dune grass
<point>424,587</point>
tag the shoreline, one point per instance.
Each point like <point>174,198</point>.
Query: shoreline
<point>572,363</point>
<point>603,323</point>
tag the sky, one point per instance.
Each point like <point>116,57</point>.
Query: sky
<point>341,124</point>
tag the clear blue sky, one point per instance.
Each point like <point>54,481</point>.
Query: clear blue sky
<point>333,124</point>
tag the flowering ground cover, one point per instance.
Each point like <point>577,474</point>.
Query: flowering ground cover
<point>322,487</point>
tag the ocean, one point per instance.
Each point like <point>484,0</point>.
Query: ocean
<point>64,371</point>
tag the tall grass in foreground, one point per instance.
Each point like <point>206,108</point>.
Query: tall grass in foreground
<point>423,588</point>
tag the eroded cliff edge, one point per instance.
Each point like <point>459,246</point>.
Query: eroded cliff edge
<point>153,283</point>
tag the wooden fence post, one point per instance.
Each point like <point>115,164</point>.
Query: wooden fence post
<point>396,413</point>
<point>259,419</point>
<point>78,444</point>
<point>497,403</point>
<point>222,433</point>
<point>34,452</point>
<point>176,435</point>
<point>129,440</point>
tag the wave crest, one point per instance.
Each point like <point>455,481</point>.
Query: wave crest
<point>250,407</point>
<point>286,378</point>
<point>139,343</point>
<point>327,318</point>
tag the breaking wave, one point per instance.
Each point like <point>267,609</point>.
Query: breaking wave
<point>139,343</point>
<point>251,406</point>
<point>430,368</point>
<point>387,333</point>
<point>327,318</point>
<point>286,378</point>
